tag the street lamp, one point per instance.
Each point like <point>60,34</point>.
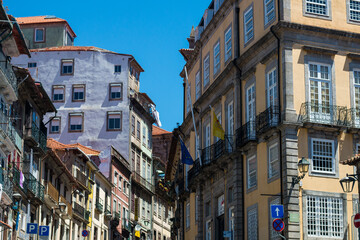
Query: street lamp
<point>348,182</point>
<point>303,167</point>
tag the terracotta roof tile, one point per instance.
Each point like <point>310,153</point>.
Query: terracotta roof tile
<point>43,20</point>
<point>159,131</point>
<point>75,48</point>
<point>187,53</point>
<point>52,143</point>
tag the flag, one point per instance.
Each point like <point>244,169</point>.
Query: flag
<point>185,155</point>
<point>217,128</point>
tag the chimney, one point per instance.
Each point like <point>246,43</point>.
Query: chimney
<point>191,39</point>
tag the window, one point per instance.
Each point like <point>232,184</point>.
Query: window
<point>269,11</point>
<point>354,10</point>
<point>230,124</point>
<point>228,44</point>
<point>217,58</point>
<point>55,125</point>
<point>248,24</point>
<point>119,209</point>
<point>323,157</point>
<point>273,233</point>
<point>197,202</point>
<point>252,224</point>
<point>206,153</point>
<point>197,86</point>
<point>271,82</point>
<point>39,34</point>
<point>250,109</point>
<point>67,67</point>
<point>133,125</point>
<point>116,178</point>
<point>274,163</point>
<point>188,100</point>
<point>206,71</point>
<point>124,186</point>
<point>32,65</point>
<point>138,130</point>
<point>159,204</point>
<point>356,74</point>
<point>251,172</point>
<point>208,230</point>
<point>187,215</point>
<point>114,207</point>
<point>230,194</point>
<point>324,216</point>
<point>143,171</point>
<point>232,219</point>
<point>120,182</point>
<point>117,69</point>
<point>317,7</point>
<point>207,209</point>
<point>155,206</point>
<point>115,91</point>
<point>58,93</point>
<point>114,121</point>
<point>76,121</point>
<point>78,93</point>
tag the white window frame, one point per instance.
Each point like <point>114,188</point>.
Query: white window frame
<point>248,28</point>
<point>228,43</point>
<point>314,3</point>
<point>252,224</point>
<point>271,84</point>
<point>208,230</point>
<point>354,10</point>
<point>356,113</point>
<point>217,57</point>
<point>333,217</point>
<point>36,34</point>
<point>249,173</point>
<point>206,71</point>
<point>187,215</point>
<point>272,162</point>
<point>230,125</point>
<point>197,85</point>
<point>333,156</point>
<point>269,11</point>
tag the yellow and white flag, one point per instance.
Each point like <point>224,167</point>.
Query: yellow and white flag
<point>217,128</point>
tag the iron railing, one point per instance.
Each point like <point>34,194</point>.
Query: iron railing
<point>142,181</point>
<point>34,186</point>
<point>107,209</point>
<point>117,215</point>
<point>7,127</point>
<point>81,177</point>
<point>125,223</point>
<point>216,150</point>
<point>99,204</point>
<point>79,210</point>
<point>311,112</point>
<point>193,172</point>
<point>246,133</point>
<point>39,134</point>
<point>6,182</point>
<point>267,119</point>
<point>7,70</point>
<point>354,117</point>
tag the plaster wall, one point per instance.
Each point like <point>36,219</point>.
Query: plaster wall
<point>54,36</point>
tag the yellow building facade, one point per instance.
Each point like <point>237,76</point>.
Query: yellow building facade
<point>283,79</point>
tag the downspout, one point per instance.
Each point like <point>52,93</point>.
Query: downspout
<point>279,102</point>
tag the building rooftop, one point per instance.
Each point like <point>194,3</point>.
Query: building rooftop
<point>43,20</point>
<point>159,131</point>
<point>352,161</point>
<point>52,143</point>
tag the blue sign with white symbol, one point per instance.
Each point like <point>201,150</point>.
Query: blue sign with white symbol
<point>44,231</point>
<point>32,228</point>
<point>277,211</point>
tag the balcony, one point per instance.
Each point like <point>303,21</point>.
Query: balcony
<point>79,210</point>
<point>16,178</point>
<point>143,182</point>
<point>34,188</point>
<point>62,199</point>
<point>107,211</point>
<point>7,186</point>
<point>51,194</point>
<point>218,149</point>
<point>125,224</point>
<point>117,215</point>
<point>267,119</point>
<point>38,136</point>
<point>8,135</point>
<point>82,179</point>
<point>314,113</point>
<point>192,173</point>
<point>246,133</point>
<point>99,205</point>
<point>8,80</point>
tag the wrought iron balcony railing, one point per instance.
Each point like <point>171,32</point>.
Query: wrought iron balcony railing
<point>52,192</point>
<point>34,186</point>
<point>6,182</point>
<point>193,172</point>
<point>99,204</point>
<point>216,150</point>
<point>311,112</point>
<point>7,127</point>
<point>81,178</point>
<point>125,223</point>
<point>354,117</point>
<point>79,210</point>
<point>142,181</point>
<point>267,119</point>
<point>39,134</point>
<point>246,133</point>
<point>117,215</point>
<point>7,70</point>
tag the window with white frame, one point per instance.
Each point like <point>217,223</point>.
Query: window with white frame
<point>115,91</point>
<point>78,93</point>
<point>188,99</point>
<point>317,7</point>
<point>39,34</point>
<point>208,230</point>
<point>206,71</point>
<point>248,24</point>
<point>197,86</point>
<point>155,205</point>
<point>148,172</point>
<point>354,10</point>
<point>55,125</point>
<point>356,74</point>
<point>320,89</point>
<point>269,11</point>
<point>58,93</point>
<point>228,44</point>
<point>143,171</point>
<point>117,68</point>
<point>217,58</point>
<point>138,130</point>
<point>252,224</point>
<point>187,215</point>
<point>143,208</point>
<point>274,163</point>
<point>323,155</point>
<point>76,122</point>
<point>273,233</point>
<point>114,121</point>
<point>251,172</point>
<point>250,110</point>
<point>230,124</point>
<point>133,125</point>
<point>324,216</point>
<point>144,135</point>
<point>67,66</point>
<point>271,83</point>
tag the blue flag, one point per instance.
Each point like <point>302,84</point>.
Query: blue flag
<point>185,155</point>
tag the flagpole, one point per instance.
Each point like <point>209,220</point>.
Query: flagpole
<point>193,118</point>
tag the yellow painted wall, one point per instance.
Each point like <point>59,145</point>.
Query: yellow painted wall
<point>191,232</point>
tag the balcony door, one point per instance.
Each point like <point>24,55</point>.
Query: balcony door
<point>207,144</point>
<point>356,111</point>
<point>250,110</point>
<point>230,126</point>
<point>320,92</point>
<point>272,97</point>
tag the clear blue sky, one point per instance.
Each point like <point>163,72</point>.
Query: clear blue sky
<point>152,31</point>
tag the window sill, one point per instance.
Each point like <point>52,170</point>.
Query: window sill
<point>114,130</point>
<point>249,190</point>
<point>313,15</point>
<point>273,178</point>
<point>324,174</point>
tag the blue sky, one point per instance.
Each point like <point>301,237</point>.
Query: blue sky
<point>152,31</point>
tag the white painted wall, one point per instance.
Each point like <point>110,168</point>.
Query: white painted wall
<point>96,70</point>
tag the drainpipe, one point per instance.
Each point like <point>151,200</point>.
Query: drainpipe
<point>279,101</point>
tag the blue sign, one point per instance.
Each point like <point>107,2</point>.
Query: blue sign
<point>32,228</point>
<point>85,233</point>
<point>278,225</point>
<point>227,234</point>
<point>44,231</point>
<point>277,211</point>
